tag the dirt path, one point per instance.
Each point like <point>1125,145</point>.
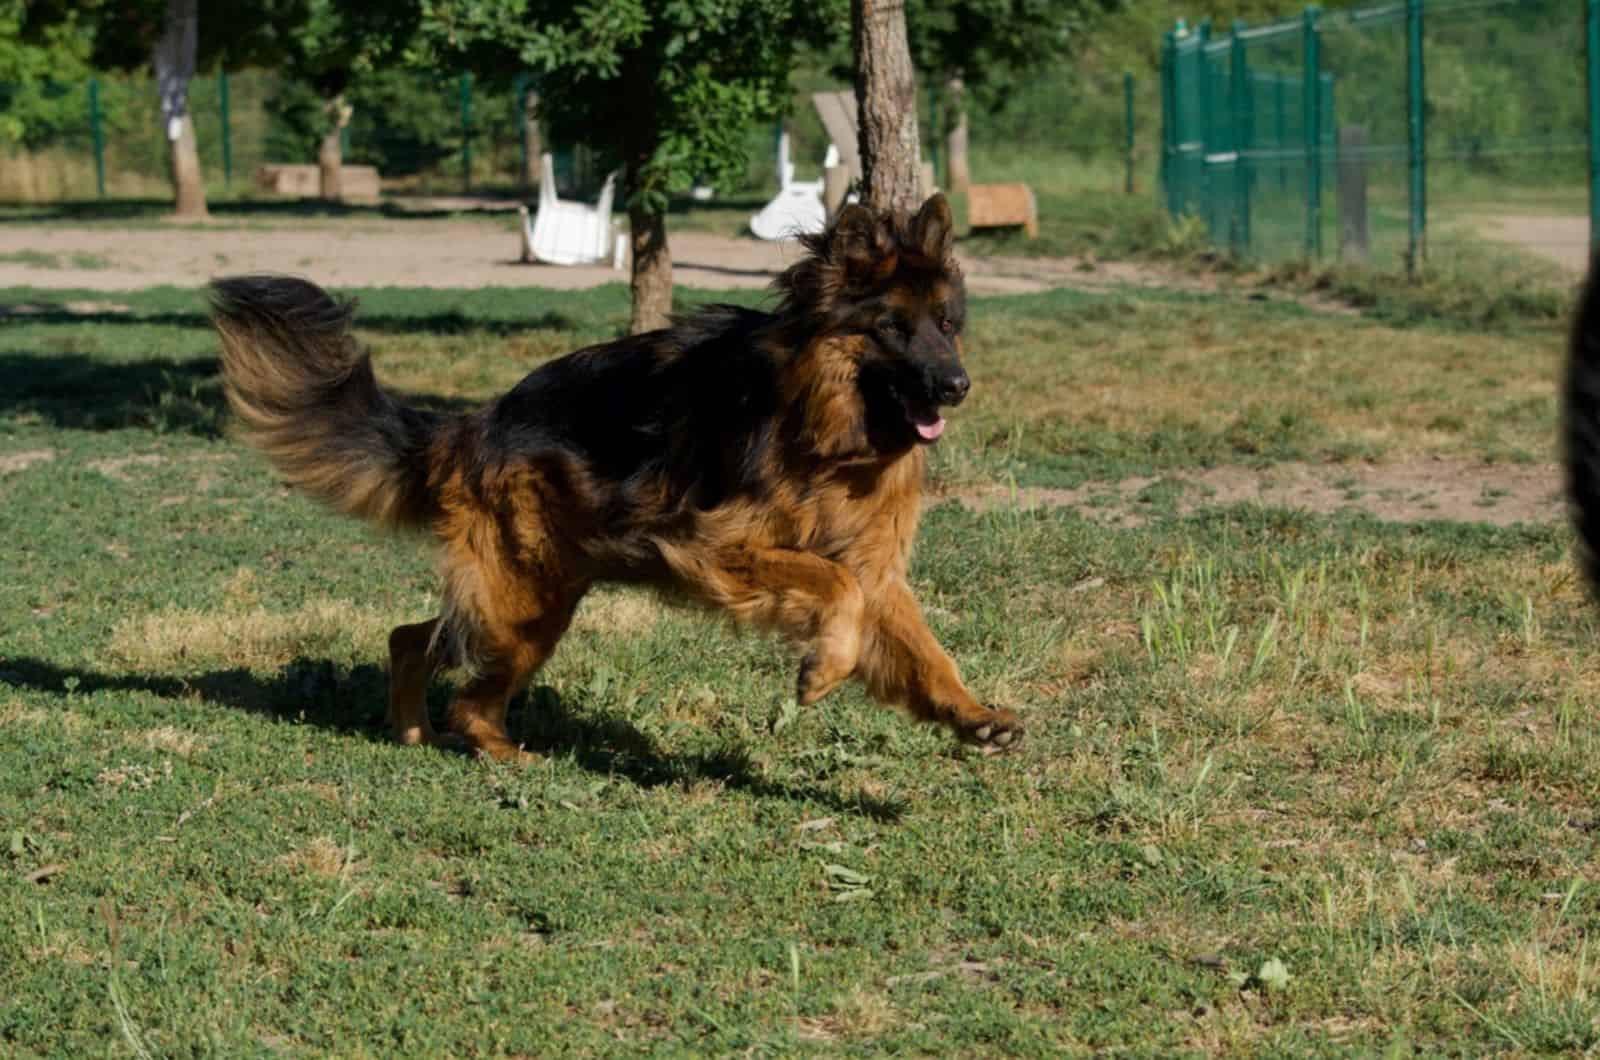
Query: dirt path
<point>1563,238</point>
<point>1408,491</point>
<point>455,253</point>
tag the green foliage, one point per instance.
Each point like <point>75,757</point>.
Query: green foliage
<point>666,90</point>
<point>38,94</point>
<point>401,121</point>
<point>995,44</point>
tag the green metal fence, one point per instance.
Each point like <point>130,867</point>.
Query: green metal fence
<point>1362,133</point>
<point>103,138</point>
<point>1064,129</point>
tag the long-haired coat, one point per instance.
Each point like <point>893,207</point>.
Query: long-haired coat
<point>769,464</point>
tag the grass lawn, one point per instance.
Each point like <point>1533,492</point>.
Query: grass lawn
<point>1292,785</point>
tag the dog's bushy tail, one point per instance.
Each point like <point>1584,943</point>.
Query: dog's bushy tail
<point>304,393</point>
<point>1581,426</point>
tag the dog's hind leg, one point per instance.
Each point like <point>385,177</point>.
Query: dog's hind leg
<point>505,654</point>
<point>903,664</point>
<point>412,661</point>
<point>813,600</point>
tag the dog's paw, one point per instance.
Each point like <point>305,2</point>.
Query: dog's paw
<point>816,679</point>
<point>1001,731</point>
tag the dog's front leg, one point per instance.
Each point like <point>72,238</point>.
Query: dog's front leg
<point>813,600</point>
<point>903,664</point>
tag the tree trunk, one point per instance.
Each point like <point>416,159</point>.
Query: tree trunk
<point>647,223</point>
<point>886,102</point>
<point>532,142</point>
<point>173,60</point>
<point>956,142</point>
<point>330,153</point>
<point>652,269</point>
<point>189,202</point>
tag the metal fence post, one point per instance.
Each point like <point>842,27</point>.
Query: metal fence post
<point>1127,127</point>
<point>1281,127</point>
<point>1416,139</point>
<point>466,132</point>
<point>227,127</point>
<point>1239,77</point>
<point>1312,103</point>
<point>1169,120</point>
<point>1208,142</point>
<point>97,137</point>
<point>1593,35</point>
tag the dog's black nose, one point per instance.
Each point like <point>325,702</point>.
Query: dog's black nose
<point>954,388</point>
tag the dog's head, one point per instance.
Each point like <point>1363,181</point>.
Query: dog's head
<point>889,283</point>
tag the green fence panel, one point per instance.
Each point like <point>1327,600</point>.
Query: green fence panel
<point>1389,127</point>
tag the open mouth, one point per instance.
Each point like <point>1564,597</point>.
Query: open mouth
<point>923,415</point>
<point>928,427</point>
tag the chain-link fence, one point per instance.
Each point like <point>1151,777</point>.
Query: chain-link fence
<point>104,138</point>
<point>1362,134</point>
<point>1063,129</point>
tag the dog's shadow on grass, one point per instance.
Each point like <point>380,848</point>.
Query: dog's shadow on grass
<point>351,701</point>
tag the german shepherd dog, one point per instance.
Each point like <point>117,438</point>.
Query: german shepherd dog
<point>767,464</point>
<point>1581,426</point>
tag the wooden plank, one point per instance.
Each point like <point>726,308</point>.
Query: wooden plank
<point>1355,240</point>
<point>1002,206</point>
<point>838,113</point>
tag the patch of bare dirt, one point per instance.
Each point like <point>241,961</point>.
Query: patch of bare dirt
<point>1562,238</point>
<point>1445,489</point>
<point>12,462</point>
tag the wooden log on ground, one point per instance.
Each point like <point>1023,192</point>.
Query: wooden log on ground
<point>357,184</point>
<point>1002,206</point>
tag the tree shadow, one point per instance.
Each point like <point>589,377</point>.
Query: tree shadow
<point>448,322</point>
<point>351,701</point>
<point>166,396</point>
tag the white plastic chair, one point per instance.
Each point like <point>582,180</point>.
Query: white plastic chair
<point>564,231</point>
<point>798,208</point>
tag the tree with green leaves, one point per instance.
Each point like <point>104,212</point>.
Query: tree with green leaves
<point>665,89</point>
<point>165,36</point>
<point>984,47</point>
<point>327,45</point>
<point>31,63</point>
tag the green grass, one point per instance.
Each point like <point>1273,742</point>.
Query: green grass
<point>38,259</point>
<point>1070,386</point>
<point>1293,785</point>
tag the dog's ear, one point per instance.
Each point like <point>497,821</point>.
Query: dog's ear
<point>863,245</point>
<point>933,228</point>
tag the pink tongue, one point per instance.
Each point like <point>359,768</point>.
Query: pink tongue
<point>930,431</point>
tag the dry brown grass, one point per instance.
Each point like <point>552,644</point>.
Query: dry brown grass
<point>250,637</point>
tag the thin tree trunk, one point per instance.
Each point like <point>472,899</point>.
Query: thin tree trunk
<point>652,260</point>
<point>886,97</point>
<point>173,61</point>
<point>956,142</point>
<point>652,269</point>
<point>189,201</point>
<point>532,142</point>
<point>330,152</point>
